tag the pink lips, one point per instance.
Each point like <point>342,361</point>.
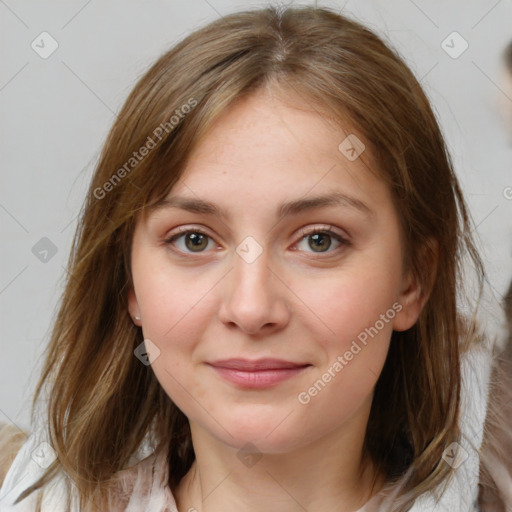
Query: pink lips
<point>260,373</point>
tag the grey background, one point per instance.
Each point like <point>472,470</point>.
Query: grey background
<point>56,112</point>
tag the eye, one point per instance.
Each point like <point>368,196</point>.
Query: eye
<point>321,240</point>
<point>190,240</point>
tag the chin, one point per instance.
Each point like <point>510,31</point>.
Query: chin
<point>267,439</point>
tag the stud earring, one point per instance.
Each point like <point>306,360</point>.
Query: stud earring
<point>137,318</point>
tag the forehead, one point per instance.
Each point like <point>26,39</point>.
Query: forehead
<point>292,156</point>
<point>265,127</point>
<point>263,139</point>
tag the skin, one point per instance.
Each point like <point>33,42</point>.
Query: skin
<point>291,302</point>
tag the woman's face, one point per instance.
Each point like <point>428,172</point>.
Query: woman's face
<point>251,281</point>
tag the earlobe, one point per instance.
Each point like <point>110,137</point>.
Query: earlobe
<point>133,307</point>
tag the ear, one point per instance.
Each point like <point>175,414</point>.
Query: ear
<point>415,289</point>
<point>133,307</point>
<point>411,301</point>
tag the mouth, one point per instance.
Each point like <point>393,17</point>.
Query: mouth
<point>257,374</point>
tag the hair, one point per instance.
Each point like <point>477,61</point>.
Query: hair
<point>102,400</point>
<point>507,57</point>
<point>496,460</point>
<point>12,439</point>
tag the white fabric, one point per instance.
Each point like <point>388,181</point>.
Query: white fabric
<point>462,491</point>
<point>460,495</point>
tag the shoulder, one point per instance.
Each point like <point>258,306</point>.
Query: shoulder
<point>141,486</point>
<point>496,466</point>
<point>12,439</point>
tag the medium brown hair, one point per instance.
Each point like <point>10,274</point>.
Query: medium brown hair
<point>496,452</point>
<point>102,400</point>
<point>507,57</point>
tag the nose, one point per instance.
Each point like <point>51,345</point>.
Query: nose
<point>254,297</point>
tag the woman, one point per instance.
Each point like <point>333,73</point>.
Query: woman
<point>263,286</point>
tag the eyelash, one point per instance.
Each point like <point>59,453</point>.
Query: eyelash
<point>305,232</point>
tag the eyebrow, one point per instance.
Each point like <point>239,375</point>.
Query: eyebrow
<point>295,207</point>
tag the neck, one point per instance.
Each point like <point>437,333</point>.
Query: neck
<point>329,474</point>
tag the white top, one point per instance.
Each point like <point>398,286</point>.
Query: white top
<point>148,491</point>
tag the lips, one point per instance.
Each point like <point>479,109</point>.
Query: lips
<point>257,374</point>
<point>248,365</point>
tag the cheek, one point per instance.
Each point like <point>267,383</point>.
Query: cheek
<point>357,314</point>
<point>343,388</point>
<point>171,301</point>
<point>173,307</point>
<point>350,317</point>
<point>341,306</point>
